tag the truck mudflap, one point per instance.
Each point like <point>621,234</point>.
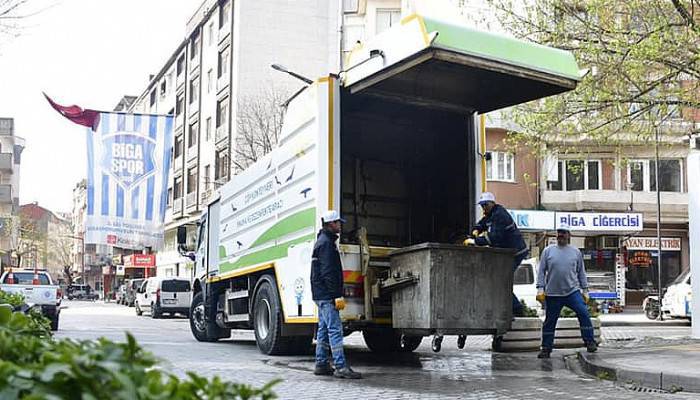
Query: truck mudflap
<point>435,64</point>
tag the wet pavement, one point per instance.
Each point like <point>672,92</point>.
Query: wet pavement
<point>472,373</point>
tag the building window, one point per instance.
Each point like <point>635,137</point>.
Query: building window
<point>170,197</point>
<point>577,175</point>
<point>207,129</point>
<point>194,46</point>
<point>153,97</point>
<point>193,134</point>
<point>223,62</point>
<point>180,65</point>
<point>642,175</point>
<point>501,167</point>
<point>351,6</point>
<point>206,177</point>
<point>163,88</point>
<point>191,180</point>
<point>178,146</point>
<point>210,80</point>
<point>386,18</point>
<point>177,188</point>
<point>221,165</point>
<point>179,104</point>
<point>222,113</point>
<point>210,33</point>
<point>194,90</point>
<point>224,14</point>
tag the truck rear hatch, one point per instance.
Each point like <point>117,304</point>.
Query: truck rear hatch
<point>435,64</point>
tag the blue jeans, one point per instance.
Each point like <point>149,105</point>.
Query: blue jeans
<point>329,334</point>
<point>517,306</point>
<point>553,306</point>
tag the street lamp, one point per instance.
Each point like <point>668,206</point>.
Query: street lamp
<point>282,68</point>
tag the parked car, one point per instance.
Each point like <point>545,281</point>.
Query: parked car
<point>81,292</point>
<point>525,283</point>
<point>161,295</point>
<point>38,290</point>
<point>121,294</point>
<point>132,286</point>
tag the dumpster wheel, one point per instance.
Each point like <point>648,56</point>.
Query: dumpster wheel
<point>461,341</point>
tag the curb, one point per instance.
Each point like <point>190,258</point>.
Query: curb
<point>594,365</point>
<point>606,324</point>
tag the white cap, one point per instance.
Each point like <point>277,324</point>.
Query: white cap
<point>564,227</point>
<point>486,197</point>
<point>331,216</point>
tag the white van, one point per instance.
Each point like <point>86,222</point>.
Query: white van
<point>164,295</point>
<point>525,283</point>
<point>676,301</point>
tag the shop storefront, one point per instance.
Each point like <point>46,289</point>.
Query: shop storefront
<point>139,266</point>
<point>642,262</point>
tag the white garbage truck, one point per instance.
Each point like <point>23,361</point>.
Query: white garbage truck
<point>392,143</point>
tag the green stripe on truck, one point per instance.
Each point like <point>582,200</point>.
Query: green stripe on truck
<point>290,224</point>
<point>268,254</point>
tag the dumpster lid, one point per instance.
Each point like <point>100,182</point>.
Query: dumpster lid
<point>448,246</point>
<point>432,63</point>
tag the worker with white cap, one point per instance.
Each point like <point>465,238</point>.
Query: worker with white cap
<point>327,293</point>
<point>497,229</point>
<point>562,281</point>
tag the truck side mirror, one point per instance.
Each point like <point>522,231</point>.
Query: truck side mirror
<point>181,235</point>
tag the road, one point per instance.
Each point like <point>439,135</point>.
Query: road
<point>472,373</point>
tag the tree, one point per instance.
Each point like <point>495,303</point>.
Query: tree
<point>31,241</point>
<point>643,59</point>
<point>259,124</point>
<point>11,13</point>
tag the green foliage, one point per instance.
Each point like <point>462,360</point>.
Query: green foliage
<point>527,311</point>
<point>35,366</point>
<point>566,312</point>
<point>643,62</point>
<point>13,299</point>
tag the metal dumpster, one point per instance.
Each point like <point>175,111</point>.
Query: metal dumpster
<point>455,290</point>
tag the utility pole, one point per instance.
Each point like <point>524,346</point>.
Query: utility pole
<point>693,174</point>
<point>658,223</point>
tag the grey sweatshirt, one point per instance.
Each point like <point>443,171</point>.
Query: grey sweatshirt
<point>561,271</point>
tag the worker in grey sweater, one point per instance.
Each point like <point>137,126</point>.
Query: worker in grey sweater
<point>562,281</point>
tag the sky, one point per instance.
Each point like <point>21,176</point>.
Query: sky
<point>84,52</point>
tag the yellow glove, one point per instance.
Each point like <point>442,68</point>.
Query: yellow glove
<point>340,303</point>
<point>586,297</point>
<point>476,233</point>
<point>469,242</point>
<point>540,297</point>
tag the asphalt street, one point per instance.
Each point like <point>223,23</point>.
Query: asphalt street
<point>472,373</point>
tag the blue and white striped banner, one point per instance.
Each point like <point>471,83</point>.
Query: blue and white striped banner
<point>127,185</point>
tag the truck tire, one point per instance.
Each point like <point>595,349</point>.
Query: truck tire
<point>267,322</point>
<point>204,329</point>
<point>54,322</point>
<point>388,340</point>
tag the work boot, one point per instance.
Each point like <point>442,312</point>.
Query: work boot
<point>323,369</point>
<point>544,353</point>
<point>347,373</point>
<point>591,347</point>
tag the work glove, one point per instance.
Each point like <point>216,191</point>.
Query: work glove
<point>340,303</point>
<point>469,242</point>
<point>586,297</point>
<point>476,233</point>
<point>540,296</point>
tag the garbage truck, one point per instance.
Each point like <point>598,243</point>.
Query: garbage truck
<point>392,143</point>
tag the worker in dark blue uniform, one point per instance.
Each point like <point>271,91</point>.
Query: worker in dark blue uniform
<point>497,229</point>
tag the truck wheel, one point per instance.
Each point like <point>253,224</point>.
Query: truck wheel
<point>267,322</point>
<point>203,329</point>
<point>387,340</point>
<point>54,322</point>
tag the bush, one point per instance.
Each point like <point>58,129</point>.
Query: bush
<point>35,366</point>
<point>566,312</point>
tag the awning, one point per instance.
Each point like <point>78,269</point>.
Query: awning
<point>433,63</point>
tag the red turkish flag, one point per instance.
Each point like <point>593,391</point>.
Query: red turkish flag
<point>80,116</point>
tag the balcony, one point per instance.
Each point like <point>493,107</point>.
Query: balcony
<point>221,133</point>
<point>177,164</point>
<point>224,32</point>
<point>192,152</point>
<point>674,206</point>
<point>179,120</point>
<point>191,200</point>
<point>177,207</point>
<point>204,197</point>
<point>6,162</point>
<point>180,81</point>
<point>5,194</point>
<point>222,82</point>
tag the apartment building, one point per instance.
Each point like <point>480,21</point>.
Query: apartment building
<point>11,147</point>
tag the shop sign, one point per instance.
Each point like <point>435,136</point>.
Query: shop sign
<point>140,260</point>
<point>120,270</point>
<point>640,259</point>
<point>651,243</point>
<point>600,222</point>
<point>117,260</point>
<point>535,220</point>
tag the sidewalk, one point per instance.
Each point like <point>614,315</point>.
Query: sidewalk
<point>637,319</point>
<point>666,365</point>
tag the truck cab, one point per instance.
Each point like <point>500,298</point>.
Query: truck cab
<point>392,143</point>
